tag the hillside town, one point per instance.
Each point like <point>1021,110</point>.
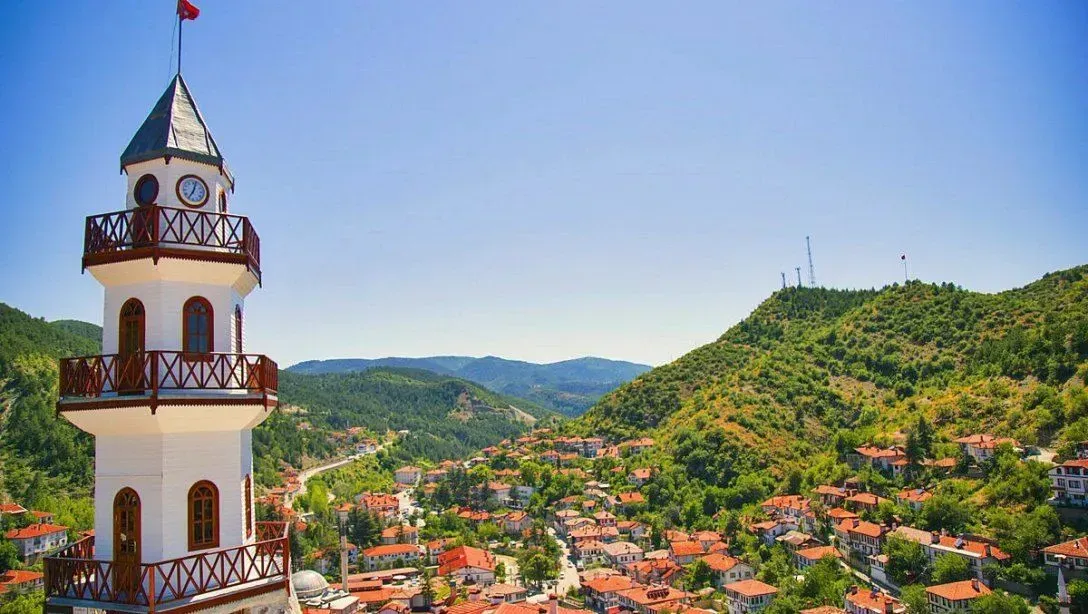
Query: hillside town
<point>549,523</point>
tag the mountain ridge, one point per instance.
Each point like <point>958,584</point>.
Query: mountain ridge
<point>567,386</point>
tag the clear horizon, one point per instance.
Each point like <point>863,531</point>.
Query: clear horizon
<point>546,182</point>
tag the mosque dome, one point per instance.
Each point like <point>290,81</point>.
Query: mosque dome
<point>308,584</point>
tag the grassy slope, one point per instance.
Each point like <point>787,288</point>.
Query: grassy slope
<point>810,365</point>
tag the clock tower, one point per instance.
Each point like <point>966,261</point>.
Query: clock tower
<point>174,397</point>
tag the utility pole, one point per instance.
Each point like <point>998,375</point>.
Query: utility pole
<point>798,269</point>
<point>811,269</point>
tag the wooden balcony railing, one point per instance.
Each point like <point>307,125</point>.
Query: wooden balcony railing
<point>150,373</point>
<point>73,574</point>
<point>161,231</point>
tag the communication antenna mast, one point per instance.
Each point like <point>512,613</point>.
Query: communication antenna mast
<point>783,280</point>
<point>811,269</point>
<point>798,269</point>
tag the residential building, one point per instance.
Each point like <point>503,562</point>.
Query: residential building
<point>981,447</point>
<point>871,601</point>
<point>891,461</point>
<point>656,571</point>
<point>914,498</point>
<point>382,504</point>
<point>400,534</point>
<point>684,552</point>
<point>651,599</point>
<point>640,476</point>
<point>18,580</point>
<point>955,596</point>
<point>748,596</point>
<point>807,557</point>
<point>1071,555</point>
<point>399,555</point>
<point>727,569</point>
<point>858,539</point>
<point>602,593</point>
<point>864,501</point>
<point>466,563</point>
<point>833,496</point>
<point>588,552</point>
<point>1069,483</point>
<point>505,593</point>
<point>408,475</point>
<point>516,522</point>
<point>978,552</point>
<point>619,554</point>
<point>34,540</point>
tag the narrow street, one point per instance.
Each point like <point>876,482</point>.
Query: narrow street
<point>568,573</point>
<point>303,476</point>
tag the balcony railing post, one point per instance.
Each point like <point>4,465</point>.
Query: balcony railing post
<point>151,588</point>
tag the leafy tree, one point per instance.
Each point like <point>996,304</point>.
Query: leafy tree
<point>950,568</point>
<point>500,571</point>
<point>698,575</point>
<point>9,555</point>
<point>907,561</point>
<point>537,567</point>
<point>29,603</point>
<point>947,512</point>
<point>1000,602</point>
<point>914,597</point>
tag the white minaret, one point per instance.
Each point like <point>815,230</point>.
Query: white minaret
<point>173,399</point>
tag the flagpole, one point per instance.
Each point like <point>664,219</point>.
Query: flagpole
<point>180,23</point>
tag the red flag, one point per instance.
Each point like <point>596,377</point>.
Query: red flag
<point>186,10</point>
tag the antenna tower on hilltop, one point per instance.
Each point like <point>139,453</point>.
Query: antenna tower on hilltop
<point>783,280</point>
<point>798,269</point>
<point>811,269</point>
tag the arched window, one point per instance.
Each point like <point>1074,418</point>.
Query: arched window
<point>203,516</point>
<point>238,329</point>
<point>131,328</point>
<point>247,487</point>
<point>196,327</point>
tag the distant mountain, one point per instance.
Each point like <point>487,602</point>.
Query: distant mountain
<point>569,386</point>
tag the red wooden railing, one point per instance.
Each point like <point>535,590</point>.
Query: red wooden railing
<point>166,227</point>
<point>155,371</point>
<point>73,574</point>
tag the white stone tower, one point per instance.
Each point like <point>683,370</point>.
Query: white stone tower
<point>173,399</point>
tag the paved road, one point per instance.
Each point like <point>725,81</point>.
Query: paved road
<point>312,471</point>
<point>568,573</point>
<point>407,507</point>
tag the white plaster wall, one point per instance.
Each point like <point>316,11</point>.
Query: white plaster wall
<point>135,461</point>
<point>163,302</point>
<point>168,176</point>
<point>161,469</point>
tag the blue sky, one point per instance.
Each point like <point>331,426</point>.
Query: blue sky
<point>548,180</point>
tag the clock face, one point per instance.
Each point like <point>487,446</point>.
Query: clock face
<point>192,191</point>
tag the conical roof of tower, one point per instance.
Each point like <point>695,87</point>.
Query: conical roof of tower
<point>175,128</point>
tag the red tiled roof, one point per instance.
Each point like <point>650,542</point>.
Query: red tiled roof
<point>818,552</point>
<point>631,497</point>
<point>1078,548</point>
<point>35,530</point>
<point>464,556</point>
<point>960,591</point>
<point>12,508</point>
<point>686,548</point>
<point>875,601</point>
<point>609,584</point>
<point>751,588</point>
<point>720,562</point>
<point>20,576</point>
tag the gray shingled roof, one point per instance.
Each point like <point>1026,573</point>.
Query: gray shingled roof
<point>175,128</point>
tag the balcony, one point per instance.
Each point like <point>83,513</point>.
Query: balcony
<point>158,232</point>
<point>74,578</point>
<point>113,380</point>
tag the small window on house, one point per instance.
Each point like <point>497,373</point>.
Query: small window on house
<point>238,329</point>
<point>203,516</point>
<point>197,326</point>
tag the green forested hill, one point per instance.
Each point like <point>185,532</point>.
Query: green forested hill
<point>447,417</point>
<point>40,453</point>
<point>814,370</point>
